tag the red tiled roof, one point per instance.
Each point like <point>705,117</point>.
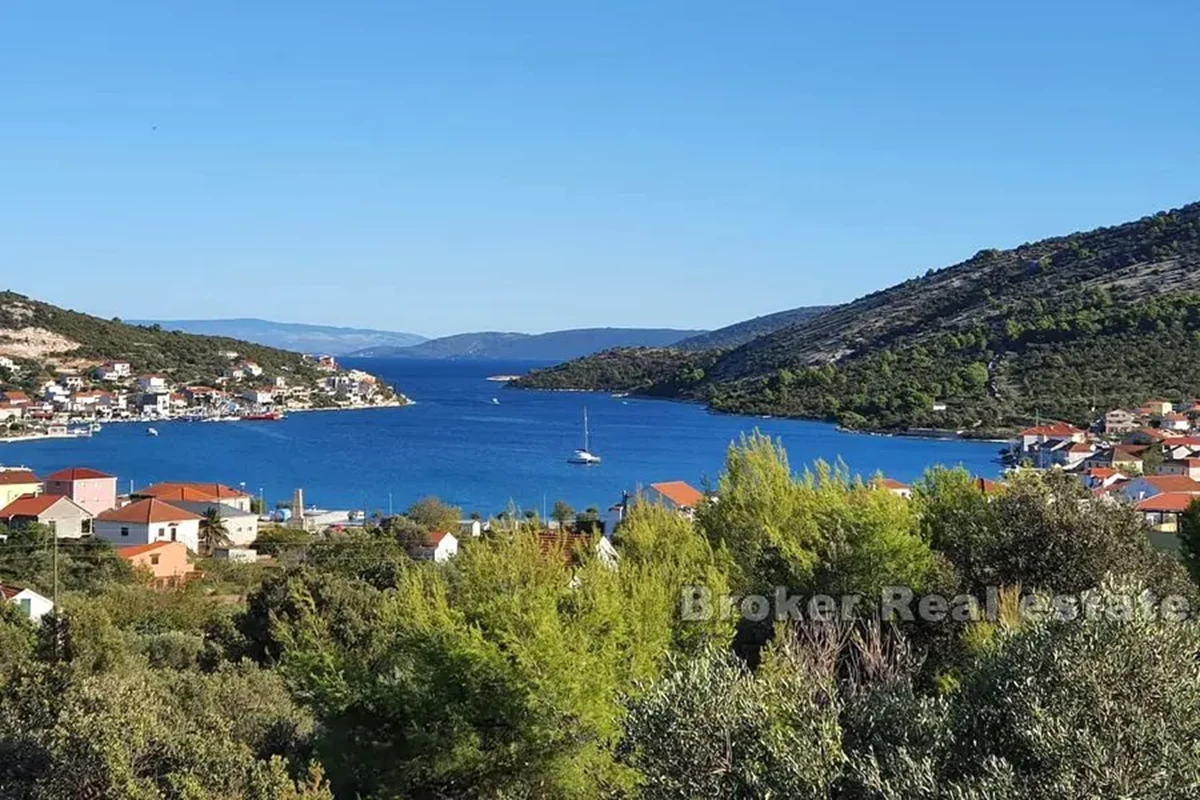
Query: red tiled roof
<point>14,477</point>
<point>1173,483</point>
<point>1104,472</point>
<point>193,492</point>
<point>892,483</point>
<point>9,592</point>
<point>1080,447</point>
<point>134,550</point>
<point>30,505</point>
<point>1055,429</point>
<point>988,486</point>
<point>436,537</point>
<point>144,512</point>
<point>1167,502</point>
<point>679,493</point>
<point>77,474</point>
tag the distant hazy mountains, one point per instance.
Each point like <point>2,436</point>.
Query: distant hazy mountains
<point>556,345</point>
<point>291,335</point>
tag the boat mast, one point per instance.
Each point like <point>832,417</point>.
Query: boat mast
<point>587,445</point>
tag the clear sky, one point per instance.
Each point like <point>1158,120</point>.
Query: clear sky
<point>447,166</point>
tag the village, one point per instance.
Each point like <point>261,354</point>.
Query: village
<point>1148,457</point>
<point>79,403</point>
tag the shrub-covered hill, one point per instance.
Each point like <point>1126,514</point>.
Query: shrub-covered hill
<point>43,338</point>
<point>1058,327</point>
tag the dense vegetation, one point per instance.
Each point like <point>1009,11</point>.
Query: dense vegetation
<point>182,356</point>
<point>1056,328</point>
<point>518,671</point>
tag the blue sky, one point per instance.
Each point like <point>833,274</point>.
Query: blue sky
<point>448,166</point>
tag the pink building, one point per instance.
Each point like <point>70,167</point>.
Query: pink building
<point>95,491</point>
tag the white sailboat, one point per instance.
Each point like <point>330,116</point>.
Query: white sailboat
<point>584,454</point>
<point>151,432</point>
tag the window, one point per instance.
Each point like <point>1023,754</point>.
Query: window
<point>154,559</point>
<point>124,531</point>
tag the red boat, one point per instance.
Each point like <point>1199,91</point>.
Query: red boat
<point>266,416</point>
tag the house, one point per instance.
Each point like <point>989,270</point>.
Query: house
<point>470,527</point>
<point>72,381</point>
<point>240,525</point>
<point>938,406</point>
<point>148,521</point>
<point>989,487</point>
<point>1144,487</point>
<point>196,493</point>
<point>676,495</point>
<point>15,397</point>
<point>32,604</point>
<point>114,371</point>
<point>239,555</point>
<point>156,384</point>
<point>1103,477</point>
<point>203,394</point>
<point>250,368</point>
<point>8,364</point>
<point>17,482</point>
<point>1120,421</point>
<point>437,547</point>
<point>1162,510</point>
<point>168,562</point>
<point>259,397</point>
<point>62,515</point>
<point>1123,457</point>
<point>94,490</point>
<point>573,545</point>
<point>1159,408</point>
<point>894,486</point>
<point>229,354</point>
<point>11,412</point>
<point>1042,434</point>
<point>327,363</point>
<point>1071,454</point>
<point>235,373</point>
<point>1188,467</point>
<point>1175,422</point>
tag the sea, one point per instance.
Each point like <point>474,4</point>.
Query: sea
<point>476,444</point>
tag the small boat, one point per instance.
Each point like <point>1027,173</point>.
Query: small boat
<point>151,432</point>
<point>495,402</point>
<point>584,455</point>
<point>265,416</point>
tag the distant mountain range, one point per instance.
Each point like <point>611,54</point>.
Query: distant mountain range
<point>552,346</point>
<point>294,336</point>
<point>739,333</point>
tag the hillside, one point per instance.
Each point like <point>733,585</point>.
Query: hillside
<point>295,336</point>
<point>1053,328</point>
<point>43,339</point>
<point>739,333</point>
<point>552,346</point>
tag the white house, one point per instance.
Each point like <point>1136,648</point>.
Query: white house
<point>250,368</point>
<point>30,602</point>
<point>235,373</point>
<point>438,547</point>
<point>240,525</point>
<point>259,397</point>
<point>147,521</point>
<point>152,383</point>
<point>160,403</point>
<point>8,364</point>
<point>114,370</point>
<point>1149,486</point>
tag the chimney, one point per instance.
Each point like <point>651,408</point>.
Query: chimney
<point>298,508</point>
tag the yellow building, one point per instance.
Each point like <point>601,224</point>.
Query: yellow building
<point>16,482</point>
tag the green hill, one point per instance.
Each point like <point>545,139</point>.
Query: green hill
<point>42,339</point>
<point>1058,328</point>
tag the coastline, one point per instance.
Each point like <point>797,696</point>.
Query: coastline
<point>932,434</point>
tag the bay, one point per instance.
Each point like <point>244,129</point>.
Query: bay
<point>454,442</point>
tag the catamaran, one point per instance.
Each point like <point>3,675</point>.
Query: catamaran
<point>584,454</point>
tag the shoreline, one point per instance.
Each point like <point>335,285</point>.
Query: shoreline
<point>931,434</point>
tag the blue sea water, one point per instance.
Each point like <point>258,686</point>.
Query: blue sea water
<point>457,444</point>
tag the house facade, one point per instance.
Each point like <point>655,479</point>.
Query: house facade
<point>94,490</point>
<point>241,526</point>
<point>438,547</point>
<point>17,482</point>
<point>148,521</point>
<point>168,562</point>
<point>32,604</point>
<point>64,517</point>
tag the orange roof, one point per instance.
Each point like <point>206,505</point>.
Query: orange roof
<point>30,505</point>
<point>134,550</point>
<point>988,486</point>
<point>1173,483</point>
<point>1080,447</point>
<point>1167,501</point>
<point>1104,472</point>
<point>190,492</point>
<point>77,474</point>
<point>892,483</point>
<point>144,512</point>
<point>15,477</point>
<point>680,493</point>
<point>1054,429</point>
<point>436,537</point>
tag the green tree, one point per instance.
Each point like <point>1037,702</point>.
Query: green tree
<point>562,513</point>
<point>434,515</point>
<point>1189,539</point>
<point>213,531</point>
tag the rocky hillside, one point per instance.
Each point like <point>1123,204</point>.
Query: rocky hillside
<point>742,332</point>
<point>1057,328</point>
<point>43,339</point>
